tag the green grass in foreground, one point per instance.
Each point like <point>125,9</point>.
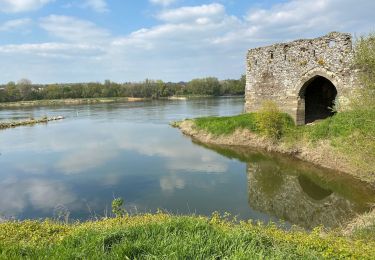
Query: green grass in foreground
<point>163,236</point>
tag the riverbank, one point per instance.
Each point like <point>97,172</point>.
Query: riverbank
<point>344,142</point>
<point>5,125</point>
<point>82,101</point>
<point>174,237</point>
<point>59,102</point>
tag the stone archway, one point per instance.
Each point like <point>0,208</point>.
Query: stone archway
<point>316,99</point>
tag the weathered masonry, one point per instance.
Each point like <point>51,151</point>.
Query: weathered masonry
<point>305,77</point>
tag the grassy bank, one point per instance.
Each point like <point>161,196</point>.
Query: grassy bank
<point>343,142</point>
<point>172,237</point>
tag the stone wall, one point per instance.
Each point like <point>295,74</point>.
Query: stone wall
<point>281,72</point>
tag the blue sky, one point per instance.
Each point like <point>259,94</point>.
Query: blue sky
<point>92,40</point>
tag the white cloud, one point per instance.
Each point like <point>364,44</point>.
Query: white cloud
<point>18,194</point>
<point>51,49</point>
<point>14,24</point>
<point>193,159</point>
<point>171,183</point>
<point>162,2</point>
<point>187,37</point>
<point>14,6</point>
<point>99,6</point>
<point>72,29</point>
<point>193,13</point>
<point>84,160</point>
<point>188,42</point>
<point>296,19</point>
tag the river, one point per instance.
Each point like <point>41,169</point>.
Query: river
<point>75,167</point>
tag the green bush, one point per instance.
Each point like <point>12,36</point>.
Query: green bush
<point>271,121</point>
<point>365,61</point>
<point>118,207</point>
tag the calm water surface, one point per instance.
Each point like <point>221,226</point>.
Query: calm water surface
<point>128,150</point>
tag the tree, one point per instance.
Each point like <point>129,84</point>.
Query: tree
<point>205,86</point>
<point>107,82</point>
<point>24,86</point>
<point>24,81</point>
<point>12,92</point>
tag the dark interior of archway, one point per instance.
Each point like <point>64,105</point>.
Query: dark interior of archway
<point>312,189</point>
<point>320,95</point>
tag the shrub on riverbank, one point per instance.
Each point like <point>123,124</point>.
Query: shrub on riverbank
<point>172,237</point>
<point>271,122</point>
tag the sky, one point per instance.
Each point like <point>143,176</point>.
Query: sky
<point>59,41</point>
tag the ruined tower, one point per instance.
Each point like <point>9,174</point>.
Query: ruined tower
<point>305,78</point>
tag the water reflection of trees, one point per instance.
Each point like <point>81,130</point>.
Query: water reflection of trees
<point>299,192</point>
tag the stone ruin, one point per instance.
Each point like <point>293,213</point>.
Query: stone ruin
<point>305,78</point>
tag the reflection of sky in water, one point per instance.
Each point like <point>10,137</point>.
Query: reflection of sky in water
<point>127,150</point>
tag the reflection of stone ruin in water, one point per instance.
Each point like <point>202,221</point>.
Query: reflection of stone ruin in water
<point>295,199</point>
<point>299,192</point>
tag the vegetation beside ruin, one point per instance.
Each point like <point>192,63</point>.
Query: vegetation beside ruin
<point>365,62</point>
<point>173,237</point>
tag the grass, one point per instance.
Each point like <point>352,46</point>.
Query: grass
<point>363,227</point>
<point>352,133</point>
<point>260,123</point>
<point>227,125</point>
<point>341,125</point>
<point>162,236</point>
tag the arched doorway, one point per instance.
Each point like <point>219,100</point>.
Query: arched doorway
<point>317,98</point>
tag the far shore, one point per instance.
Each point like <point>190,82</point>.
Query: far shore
<point>80,101</point>
<point>71,101</point>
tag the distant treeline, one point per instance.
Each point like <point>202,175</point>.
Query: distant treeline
<point>24,90</point>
